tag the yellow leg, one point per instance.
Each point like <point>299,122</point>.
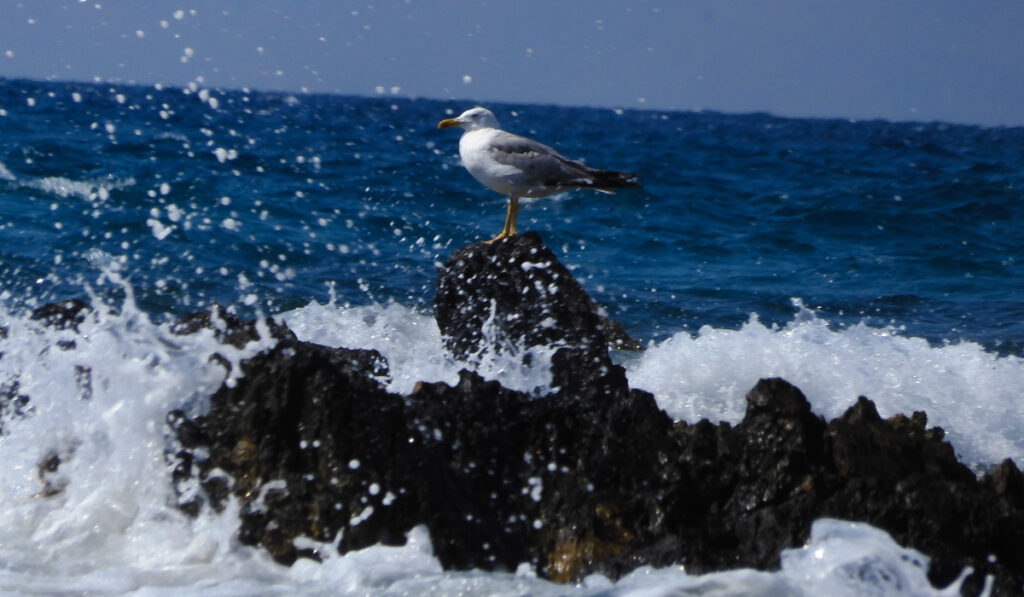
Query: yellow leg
<point>513,204</point>
<point>510,220</point>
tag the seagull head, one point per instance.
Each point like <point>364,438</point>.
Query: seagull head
<point>471,120</point>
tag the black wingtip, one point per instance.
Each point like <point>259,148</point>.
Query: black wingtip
<point>612,179</point>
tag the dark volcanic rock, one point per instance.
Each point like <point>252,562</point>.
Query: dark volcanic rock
<point>554,481</point>
<point>62,315</point>
<point>313,446</point>
<point>901,476</point>
<point>303,440</point>
<point>765,481</point>
<point>227,327</point>
<point>592,477</point>
<point>514,294</point>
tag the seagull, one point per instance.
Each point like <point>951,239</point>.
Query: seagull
<point>521,167</point>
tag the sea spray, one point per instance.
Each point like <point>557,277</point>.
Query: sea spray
<point>85,479</point>
<point>969,392</point>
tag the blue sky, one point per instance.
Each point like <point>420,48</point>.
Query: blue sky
<point>898,60</point>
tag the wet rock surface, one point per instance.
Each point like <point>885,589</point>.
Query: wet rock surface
<point>592,477</point>
<point>514,294</point>
<point>228,328</point>
<point>64,315</point>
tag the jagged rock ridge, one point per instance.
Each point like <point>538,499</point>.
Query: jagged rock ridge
<point>591,478</point>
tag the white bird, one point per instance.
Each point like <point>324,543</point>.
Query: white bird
<point>521,167</point>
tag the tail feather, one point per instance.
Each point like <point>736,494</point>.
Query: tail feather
<point>590,178</point>
<point>613,179</point>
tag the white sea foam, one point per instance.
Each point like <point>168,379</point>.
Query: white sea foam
<point>6,174</point>
<point>973,394</point>
<point>411,342</point>
<point>111,529</point>
<point>841,559</point>
<point>853,559</point>
<point>97,400</point>
<point>89,190</point>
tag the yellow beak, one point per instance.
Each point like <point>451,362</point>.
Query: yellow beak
<point>447,123</point>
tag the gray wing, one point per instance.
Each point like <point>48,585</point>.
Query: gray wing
<point>545,167</point>
<point>538,162</point>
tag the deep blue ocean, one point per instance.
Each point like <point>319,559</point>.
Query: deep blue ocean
<point>269,200</point>
<point>851,258</point>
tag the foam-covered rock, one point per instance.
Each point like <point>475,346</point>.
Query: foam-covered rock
<point>302,440</point>
<point>591,477</point>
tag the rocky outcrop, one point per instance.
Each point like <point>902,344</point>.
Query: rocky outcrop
<point>591,477</point>
<point>782,467</point>
<point>513,295</point>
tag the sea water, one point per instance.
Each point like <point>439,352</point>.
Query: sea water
<point>851,258</point>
